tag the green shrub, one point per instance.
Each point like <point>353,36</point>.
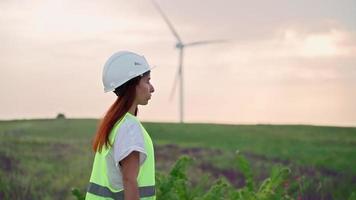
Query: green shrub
<point>78,194</point>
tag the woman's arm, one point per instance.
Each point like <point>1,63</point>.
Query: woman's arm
<point>129,168</point>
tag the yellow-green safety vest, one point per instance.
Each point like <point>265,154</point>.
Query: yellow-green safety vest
<point>99,187</point>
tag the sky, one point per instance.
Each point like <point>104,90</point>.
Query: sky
<point>284,62</point>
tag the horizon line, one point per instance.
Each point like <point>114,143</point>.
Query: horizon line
<point>191,122</point>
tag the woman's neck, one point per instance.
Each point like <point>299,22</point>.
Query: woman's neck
<point>133,109</point>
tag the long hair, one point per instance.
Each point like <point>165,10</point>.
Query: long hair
<point>126,95</point>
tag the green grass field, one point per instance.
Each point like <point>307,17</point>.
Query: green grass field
<point>43,159</point>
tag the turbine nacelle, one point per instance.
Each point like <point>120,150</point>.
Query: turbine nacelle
<point>179,45</point>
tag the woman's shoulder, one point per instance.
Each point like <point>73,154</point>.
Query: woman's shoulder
<point>130,120</point>
<point>130,124</point>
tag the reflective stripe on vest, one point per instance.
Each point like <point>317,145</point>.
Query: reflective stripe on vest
<point>102,191</point>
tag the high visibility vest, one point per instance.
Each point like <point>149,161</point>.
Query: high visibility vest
<point>99,187</point>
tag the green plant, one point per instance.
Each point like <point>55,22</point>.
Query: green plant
<point>176,185</point>
<point>78,194</point>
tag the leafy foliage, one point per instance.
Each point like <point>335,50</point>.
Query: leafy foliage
<point>78,194</point>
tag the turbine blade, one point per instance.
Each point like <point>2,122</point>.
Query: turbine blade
<point>205,42</point>
<point>167,21</point>
<point>176,78</point>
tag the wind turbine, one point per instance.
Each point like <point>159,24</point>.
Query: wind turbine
<point>180,45</point>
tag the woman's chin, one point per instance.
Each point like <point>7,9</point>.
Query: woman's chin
<point>144,103</point>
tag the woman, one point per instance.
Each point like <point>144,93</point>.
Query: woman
<point>124,158</point>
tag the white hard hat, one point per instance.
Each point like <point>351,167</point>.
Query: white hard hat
<point>121,67</point>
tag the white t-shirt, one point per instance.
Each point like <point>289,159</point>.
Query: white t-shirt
<point>129,138</point>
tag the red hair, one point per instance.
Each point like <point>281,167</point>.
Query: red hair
<point>126,95</point>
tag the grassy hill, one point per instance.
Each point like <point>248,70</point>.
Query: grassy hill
<point>43,159</point>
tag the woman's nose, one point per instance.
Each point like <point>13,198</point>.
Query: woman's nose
<point>152,89</point>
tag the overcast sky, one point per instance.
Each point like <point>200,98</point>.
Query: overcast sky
<point>286,62</point>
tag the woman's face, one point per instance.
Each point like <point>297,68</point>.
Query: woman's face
<point>144,90</point>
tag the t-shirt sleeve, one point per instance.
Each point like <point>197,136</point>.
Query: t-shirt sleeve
<point>128,139</point>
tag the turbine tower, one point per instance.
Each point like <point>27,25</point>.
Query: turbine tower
<point>180,45</point>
